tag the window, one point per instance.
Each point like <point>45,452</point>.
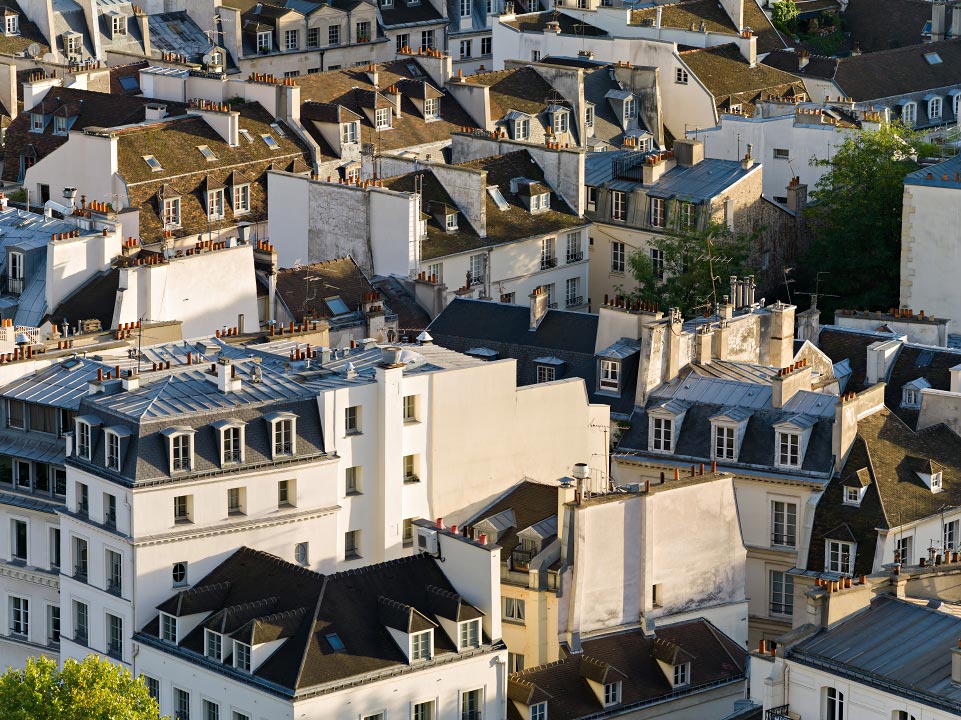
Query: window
<point>662,434</point>
<point>352,544</point>
<point>286,493</point>
<point>114,636</point>
<point>936,482</point>
<point>16,410</point>
<point>113,450</point>
<point>547,253</point>
<point>83,439</point>
<point>172,212</point>
<point>283,437</point>
<point>290,40</point>
<point>903,550</point>
<point>470,634</point>
<point>302,553</point>
<point>211,710</point>
<point>54,548</point>
<point>571,296</point>
<point>424,710</point>
<point>618,212</point>
<point>783,524</point>
<point>59,481</point>
<point>18,540</point>
<point>545,373</point>
<point>179,574</point>
<point>514,609</point>
<point>19,616</point>
<point>410,469</point>
<point>53,624</point>
<point>12,25</point>
<point>382,118</point>
<point>269,141</point>
<point>241,199</point>
<point>852,496</point>
<point>833,704</point>
<point>23,474</point>
<point>589,116</point>
<point>352,419</point>
<point>789,449</point>
<point>181,704</point>
<point>36,122</point>
<point>42,418</point>
<point>241,656</point>
<point>688,215</point>
<point>560,122</point>
<point>80,622</point>
<point>348,133</point>
<point>114,563</point>
<point>487,48</point>
<point>450,221</point>
<point>410,408</point>
<point>182,508</point>
<point>903,715</point>
<point>910,113</point>
<point>508,298</point>
<point>610,374</point>
<point>235,500</point>
<point>213,645</point>
<point>950,535</point>
<point>408,533</point>
<point>538,711</point>
<point>471,704</point>
<point>465,47</point>
<point>657,212</point>
<point>522,129</point>
<point>465,8</point>
<point>431,108</point>
<point>782,154</point>
<point>401,42</point>
<point>313,37</point>
<point>724,442</point>
<point>840,557</point>
<point>83,504</point>
<point>60,125</point>
<point>682,674</point>
<point>934,108</point>
<point>574,253</point>
<point>352,484</point>
<point>630,108</point>
<point>72,44</point>
<point>363,31</point>
<point>153,687</point>
<point>515,662</point>
<point>657,263</point>
<point>680,76</point>
<point>168,628</point>
<point>80,559</point>
<point>478,268</point>
<point>782,593</point>
<point>118,25</point>
<point>215,204</point>
<point>910,398</point>
<point>535,55</point>
<point>240,716</point>
<point>612,693</point>
<point>421,645</point>
<point>436,271</point>
<point>264,42</point>
<point>333,35</point>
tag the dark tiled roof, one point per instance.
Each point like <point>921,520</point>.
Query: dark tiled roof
<point>729,77</point>
<point>311,607</point>
<point>411,317</point>
<point>130,70</point>
<point>715,658</point>
<point>893,454</point>
<point>536,22</point>
<point>28,35</point>
<point>531,502</point>
<point>841,344</point>
<point>768,38</point>
<point>336,277</point>
<point>885,24</point>
<point>818,66</point>
<point>520,89</point>
<point>891,73</point>
<point>691,13</point>
<point>400,13</point>
<point>918,361</point>
<point>94,300</point>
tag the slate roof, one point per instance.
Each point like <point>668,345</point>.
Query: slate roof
<point>729,77</point>
<point>892,73</point>
<point>688,13</point>
<point>520,89</point>
<point>885,24</point>
<point>931,364</point>
<point>531,503</point>
<point>401,14</point>
<point>411,317</point>
<point>125,79</point>
<point>348,88</point>
<point>245,604</point>
<point>342,278</point>
<point>715,658</point>
<point>933,175</point>
<point>536,22</point>
<point>62,384</point>
<point>840,343</point>
<point>818,66</point>
<point>95,299</point>
<point>902,645</point>
<point>28,35</point>
<point>893,454</point>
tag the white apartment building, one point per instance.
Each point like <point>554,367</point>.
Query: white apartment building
<point>325,461</point>
<point>417,637</point>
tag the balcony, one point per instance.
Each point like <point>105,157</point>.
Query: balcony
<point>576,301</point>
<point>574,257</point>
<point>548,262</point>
<point>783,540</point>
<point>232,456</point>
<point>781,712</point>
<point>521,560</point>
<point>14,285</point>
<point>280,448</point>
<point>80,573</point>
<point>181,464</point>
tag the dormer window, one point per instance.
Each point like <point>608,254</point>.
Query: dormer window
<point>382,118</point>
<point>215,204</point>
<point>84,435</point>
<point>214,645</point>
<point>522,129</point>
<point>241,656</point>
<point>72,44</point>
<point>431,108</point>
<point>665,425</point>
<point>662,434</point>
<point>171,212</point>
<point>180,447</point>
<point>118,25</point>
<point>911,392</point>
<point>422,645</point>
<point>589,115</point>
<point>788,449</point>
<point>112,450</point>
<point>241,196</point>
<point>724,447</point>
<point>538,711</point>
<point>612,693</point>
<point>657,212</point>
<point>909,114</point>
<point>630,108</point>
<point>839,557</point>
<point>450,222</point>
<point>469,635</point>
<point>36,122</point>
<point>852,495</point>
<point>540,202</point>
<point>60,125</point>
<point>934,108</point>
<point>682,674</point>
<point>687,215</point>
<point>561,121</point>
<point>348,133</point>
<point>11,25</point>
<point>936,482</point>
<point>283,432</point>
<point>609,375</point>
<point>232,444</point>
<point>264,42</point>
<point>168,628</point>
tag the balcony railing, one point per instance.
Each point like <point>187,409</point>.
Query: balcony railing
<point>575,301</point>
<point>14,285</point>
<point>80,573</point>
<point>181,464</point>
<point>281,448</point>
<point>113,462</point>
<point>781,608</point>
<point>548,262</point>
<point>778,713</point>
<point>231,456</point>
<point>521,560</point>
<point>783,540</point>
<point>574,257</point>
<point>110,519</point>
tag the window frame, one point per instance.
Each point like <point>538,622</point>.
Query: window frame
<point>522,129</point>
<point>830,552</point>
<point>112,460</point>
<point>422,646</point>
<point>781,593</point>
<point>609,377</point>
<point>515,610</point>
<point>469,634</point>
<point>658,214</point>
<point>18,615</point>
<point>171,212</point>
<point>283,435</point>
<point>788,449</point>
<point>662,434</point>
<point>215,638</point>
<point>240,197</point>
<point>612,693</point>
<point>788,512</point>
<point>242,656</point>
<point>724,448</point>
<point>265,42</point>
<point>169,630</point>
<point>618,212</point>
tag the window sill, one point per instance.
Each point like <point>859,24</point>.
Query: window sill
<point>411,421</point>
<point>183,521</point>
<point>408,543</point>
<point>352,433</point>
<point>236,513</point>
<point>354,493</point>
<point>512,621</point>
<point>411,481</point>
<point>285,506</point>
<point>352,556</point>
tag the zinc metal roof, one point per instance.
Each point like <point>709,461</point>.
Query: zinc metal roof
<point>29,447</point>
<point>716,391</point>
<point>29,503</point>
<point>61,385</point>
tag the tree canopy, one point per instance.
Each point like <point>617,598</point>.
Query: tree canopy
<point>94,689</point>
<point>855,220</point>
<point>784,15</point>
<point>688,259</point>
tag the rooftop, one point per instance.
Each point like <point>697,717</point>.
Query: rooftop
<point>689,14</point>
<point>537,22</point>
<point>892,73</point>
<point>314,290</point>
<point>946,174</point>
<point>526,505</point>
<point>701,182</point>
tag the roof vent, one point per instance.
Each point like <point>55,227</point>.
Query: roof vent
<point>390,356</point>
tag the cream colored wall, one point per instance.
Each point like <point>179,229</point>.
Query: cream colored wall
<point>536,638</point>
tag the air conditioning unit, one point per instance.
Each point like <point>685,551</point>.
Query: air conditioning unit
<point>426,540</point>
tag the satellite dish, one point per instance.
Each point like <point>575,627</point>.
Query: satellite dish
<point>34,50</point>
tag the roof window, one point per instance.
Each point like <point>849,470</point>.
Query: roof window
<point>933,58</point>
<point>207,153</point>
<point>336,305</point>
<point>336,644</point>
<point>271,143</point>
<point>245,134</point>
<point>153,162</point>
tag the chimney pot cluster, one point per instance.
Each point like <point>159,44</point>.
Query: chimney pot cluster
<point>791,368</point>
<point>269,79</point>
<point>630,304</point>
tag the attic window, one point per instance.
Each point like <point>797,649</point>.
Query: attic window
<point>910,398</point>
<point>207,153</point>
<point>469,634</point>
<point>153,162</point>
<point>612,693</point>
<point>560,121</point>
<point>246,135</point>
<point>382,118</point>
<point>936,482</point>
<point>933,58</point>
<point>336,305</point>
<point>277,129</point>
<point>36,122</point>
<point>168,628</point>
<point>336,644</point>
<point>541,201</point>
<point>59,125</point>
<point>12,25</point>
<point>853,495</point>
<point>241,656</point>
<point>538,711</point>
<point>451,222</point>
<point>630,108</point>
<point>682,674</point>
<point>431,108</point>
<point>421,645</point>
<point>522,129</point>
<point>269,140</point>
<point>118,25</point>
<point>498,197</point>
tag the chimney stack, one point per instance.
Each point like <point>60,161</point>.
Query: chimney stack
<point>222,373</point>
<point>539,307</point>
<point>789,381</point>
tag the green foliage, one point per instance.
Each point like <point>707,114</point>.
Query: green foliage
<point>784,15</point>
<point>94,689</point>
<point>856,219</point>
<point>19,195</point>
<point>690,259</point>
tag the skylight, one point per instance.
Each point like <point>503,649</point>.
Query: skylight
<point>246,135</point>
<point>498,197</point>
<point>207,153</point>
<point>271,143</point>
<point>277,129</point>
<point>336,305</point>
<point>336,644</point>
<point>933,58</point>
<point>153,162</point>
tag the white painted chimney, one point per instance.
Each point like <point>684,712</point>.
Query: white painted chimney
<point>224,375</point>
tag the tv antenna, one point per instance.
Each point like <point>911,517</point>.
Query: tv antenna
<point>817,289</point>
<point>787,283</point>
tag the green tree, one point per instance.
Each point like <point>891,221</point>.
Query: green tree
<point>856,219</point>
<point>784,15</point>
<point>94,689</point>
<point>689,260</point>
